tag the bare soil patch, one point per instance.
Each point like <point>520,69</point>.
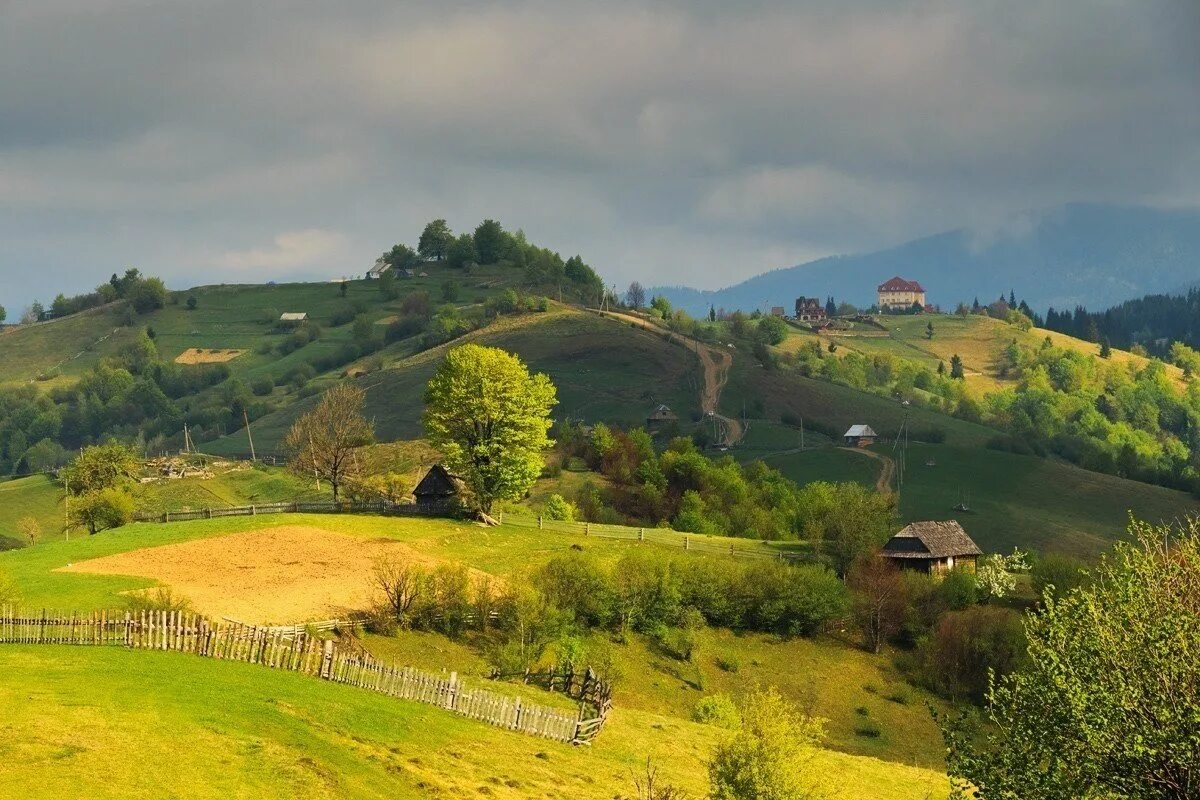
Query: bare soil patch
<point>283,575</point>
<point>200,355</point>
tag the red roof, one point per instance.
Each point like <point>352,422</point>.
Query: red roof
<point>898,284</point>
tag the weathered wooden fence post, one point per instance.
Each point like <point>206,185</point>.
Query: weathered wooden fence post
<point>327,660</point>
<point>687,543</point>
<point>539,522</point>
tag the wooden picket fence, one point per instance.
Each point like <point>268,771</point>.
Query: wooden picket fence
<point>298,650</point>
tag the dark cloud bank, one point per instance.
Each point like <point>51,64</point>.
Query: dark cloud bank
<point>697,143</point>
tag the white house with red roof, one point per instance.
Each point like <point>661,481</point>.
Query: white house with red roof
<point>899,293</point>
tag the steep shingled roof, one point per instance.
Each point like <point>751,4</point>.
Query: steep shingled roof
<point>898,284</point>
<point>931,540</point>
<point>439,482</point>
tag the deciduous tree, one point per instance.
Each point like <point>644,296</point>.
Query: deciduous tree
<point>490,419</point>
<point>435,240</point>
<point>323,442</point>
<point>635,296</point>
<point>1106,705</point>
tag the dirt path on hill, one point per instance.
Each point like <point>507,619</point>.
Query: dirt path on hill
<point>715,363</point>
<point>887,471</point>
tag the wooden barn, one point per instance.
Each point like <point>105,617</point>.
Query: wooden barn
<point>660,417</point>
<point>439,490</point>
<point>860,436</point>
<point>934,548</point>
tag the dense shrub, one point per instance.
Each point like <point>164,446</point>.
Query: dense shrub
<point>966,646</point>
<point>718,710</point>
<point>1057,574</point>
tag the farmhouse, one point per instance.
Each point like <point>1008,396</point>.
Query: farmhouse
<point>860,436</point>
<point>810,309</point>
<point>660,417</point>
<point>439,490</point>
<point>377,271</point>
<point>899,294</point>
<point>932,547</point>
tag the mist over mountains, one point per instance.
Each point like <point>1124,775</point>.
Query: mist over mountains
<point>1079,254</point>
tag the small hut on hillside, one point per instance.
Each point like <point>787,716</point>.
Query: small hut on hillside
<point>860,436</point>
<point>933,547</point>
<point>439,490</point>
<point>660,418</point>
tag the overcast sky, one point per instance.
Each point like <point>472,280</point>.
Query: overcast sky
<point>692,142</point>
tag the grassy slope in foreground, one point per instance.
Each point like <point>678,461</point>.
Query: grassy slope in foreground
<point>826,674</point>
<point>108,723</point>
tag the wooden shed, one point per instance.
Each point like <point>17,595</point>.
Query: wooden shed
<point>439,490</point>
<point>660,417</point>
<point>933,547</point>
<point>860,436</point>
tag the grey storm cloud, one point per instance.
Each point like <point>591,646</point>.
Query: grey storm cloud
<point>695,142</point>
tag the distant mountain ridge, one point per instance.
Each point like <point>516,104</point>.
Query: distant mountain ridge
<point>1079,254</point>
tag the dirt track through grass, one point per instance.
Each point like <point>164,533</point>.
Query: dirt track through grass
<point>715,364</point>
<point>887,471</point>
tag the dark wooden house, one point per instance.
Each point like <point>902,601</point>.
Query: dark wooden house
<point>439,490</point>
<point>933,547</point>
<point>660,418</point>
<point>810,309</point>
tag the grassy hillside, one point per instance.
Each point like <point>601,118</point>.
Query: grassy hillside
<point>831,408</point>
<point>978,340</point>
<point>603,371</point>
<point>834,678</point>
<point>1014,501</point>
<point>225,729</point>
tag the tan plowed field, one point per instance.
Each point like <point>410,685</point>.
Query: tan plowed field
<point>281,575</point>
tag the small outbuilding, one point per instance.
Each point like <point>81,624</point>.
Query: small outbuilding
<point>860,436</point>
<point>293,317</point>
<point>661,417</point>
<point>376,272</point>
<point>934,548</point>
<point>439,490</point>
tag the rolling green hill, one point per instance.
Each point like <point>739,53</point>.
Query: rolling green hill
<point>655,692</point>
<point>978,340</point>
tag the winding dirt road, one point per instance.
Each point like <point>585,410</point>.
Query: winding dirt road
<point>715,363</point>
<point>887,471</point>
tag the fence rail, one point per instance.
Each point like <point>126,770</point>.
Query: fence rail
<point>298,507</point>
<point>296,650</point>
<point>699,543</point>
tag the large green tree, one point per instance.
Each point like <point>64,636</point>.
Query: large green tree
<point>100,467</point>
<point>97,483</point>
<point>490,240</point>
<point>1108,704</point>
<point>490,419</point>
<point>435,240</point>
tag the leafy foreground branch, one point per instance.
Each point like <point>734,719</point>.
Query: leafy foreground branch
<point>1108,704</point>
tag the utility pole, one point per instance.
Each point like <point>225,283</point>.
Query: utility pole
<point>250,436</point>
